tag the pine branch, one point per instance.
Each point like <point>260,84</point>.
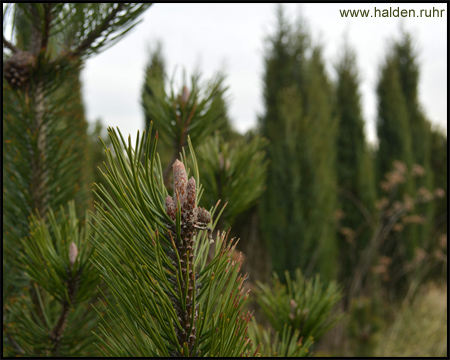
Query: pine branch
<point>58,331</point>
<point>47,21</point>
<point>95,34</point>
<point>359,204</point>
<point>13,342</point>
<point>39,180</point>
<point>185,305</point>
<point>36,33</point>
<point>10,46</point>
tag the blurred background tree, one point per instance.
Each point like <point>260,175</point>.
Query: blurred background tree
<point>197,109</point>
<point>355,172</point>
<point>298,206</point>
<point>404,134</point>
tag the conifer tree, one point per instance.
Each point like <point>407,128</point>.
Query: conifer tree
<point>439,166</point>
<point>197,109</point>
<point>297,207</point>
<point>395,144</point>
<point>405,58</point>
<point>357,192</point>
<point>232,171</point>
<point>155,78</point>
<point>404,135</point>
<point>168,299</point>
<point>44,126</point>
<point>393,131</point>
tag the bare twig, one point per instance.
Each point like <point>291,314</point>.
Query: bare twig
<point>358,203</point>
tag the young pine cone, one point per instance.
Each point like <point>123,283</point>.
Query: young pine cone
<point>17,69</point>
<point>190,214</point>
<point>179,181</point>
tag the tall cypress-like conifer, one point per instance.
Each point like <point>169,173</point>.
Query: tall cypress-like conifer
<point>439,165</point>
<point>420,128</point>
<point>357,192</point>
<point>297,207</point>
<point>394,140</point>
<point>395,144</point>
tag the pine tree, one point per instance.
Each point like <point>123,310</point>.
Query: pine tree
<point>155,76</point>
<point>233,172</point>
<point>297,207</point>
<point>357,192</point>
<point>168,299</point>
<point>197,110</point>
<point>43,130</point>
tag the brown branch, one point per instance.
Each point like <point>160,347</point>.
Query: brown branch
<point>13,342</point>
<point>94,34</point>
<point>36,32</point>
<point>39,180</point>
<point>10,46</point>
<point>366,258</point>
<point>359,204</point>
<point>47,21</point>
<point>58,331</point>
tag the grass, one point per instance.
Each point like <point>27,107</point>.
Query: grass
<point>420,329</point>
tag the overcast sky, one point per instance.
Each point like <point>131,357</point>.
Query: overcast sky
<point>230,37</point>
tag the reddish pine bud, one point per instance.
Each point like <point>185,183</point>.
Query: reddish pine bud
<point>189,208</point>
<point>184,95</point>
<point>190,190</point>
<point>73,253</point>
<point>203,216</point>
<point>179,181</point>
<point>170,207</point>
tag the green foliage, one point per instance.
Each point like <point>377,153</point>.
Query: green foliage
<point>45,152</point>
<point>439,165</point>
<point>404,134</point>
<point>85,28</point>
<point>297,210</point>
<point>405,58</point>
<point>364,324</point>
<point>155,74</point>
<point>395,143</point>
<point>56,257</point>
<point>355,173</point>
<point>32,178</point>
<point>290,344</point>
<point>155,287</point>
<point>196,111</point>
<point>394,139</point>
<point>233,172</point>
<point>419,328</point>
<point>301,304</point>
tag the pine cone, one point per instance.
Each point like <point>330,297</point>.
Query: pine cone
<point>179,182</point>
<point>189,208</point>
<point>17,69</point>
<point>170,207</point>
<point>203,216</point>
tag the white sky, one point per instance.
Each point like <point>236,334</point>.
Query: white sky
<point>231,37</point>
